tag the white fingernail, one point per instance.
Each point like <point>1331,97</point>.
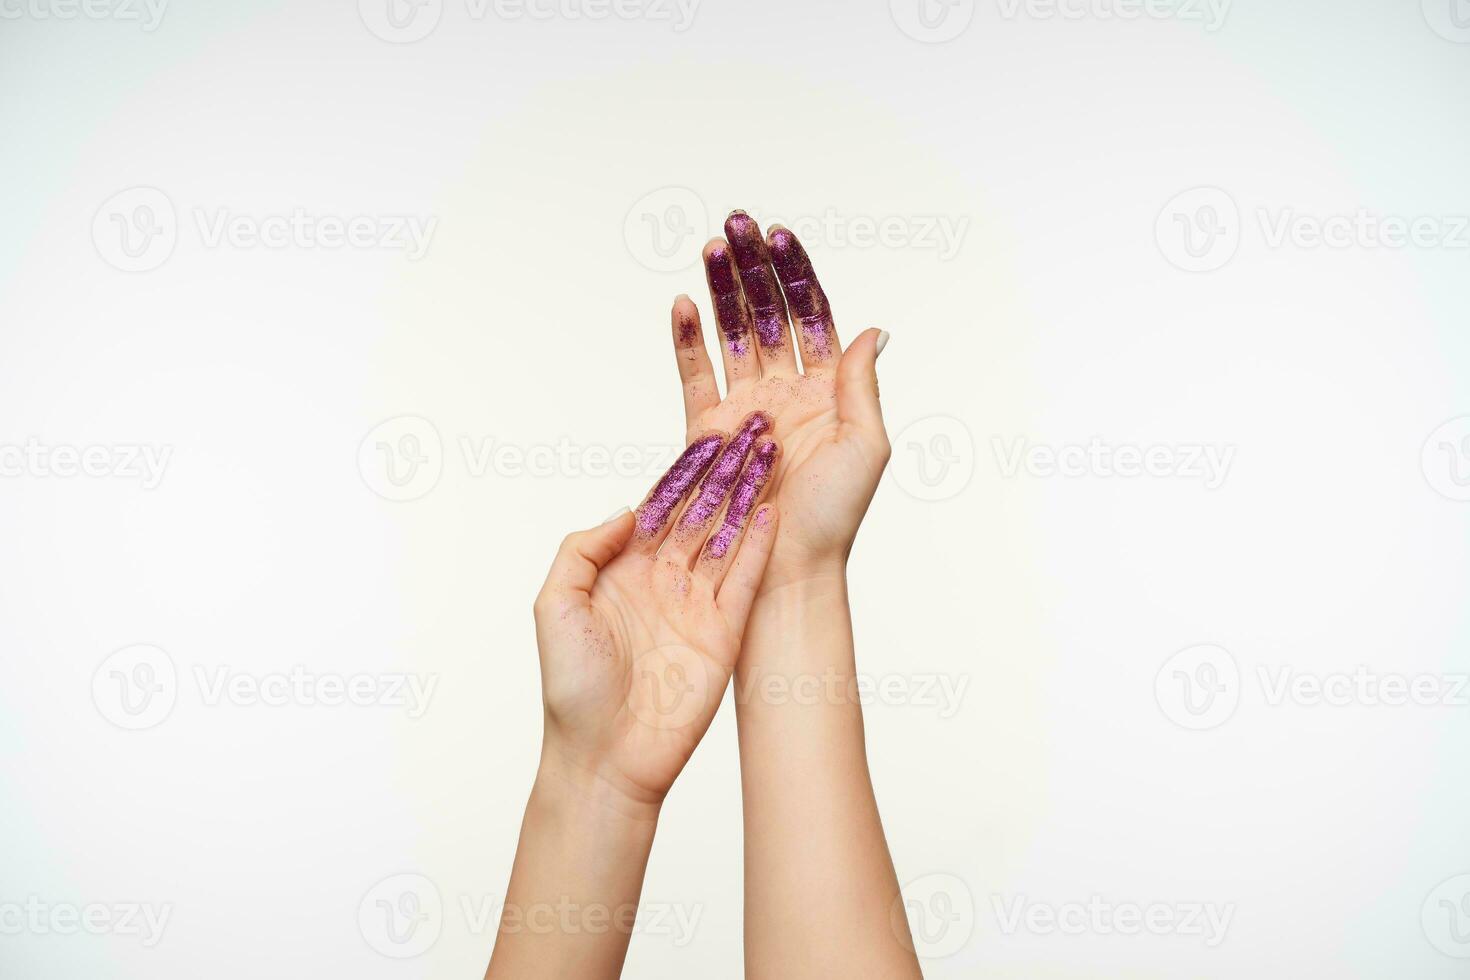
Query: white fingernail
<point>882,343</point>
<point>620,513</point>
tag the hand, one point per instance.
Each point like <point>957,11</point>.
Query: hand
<point>640,621</point>
<point>826,414</point>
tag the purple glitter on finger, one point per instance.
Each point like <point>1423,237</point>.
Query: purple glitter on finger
<point>731,316</point>
<point>747,491</point>
<point>803,291</point>
<point>674,485</point>
<point>757,279</point>
<point>723,474</point>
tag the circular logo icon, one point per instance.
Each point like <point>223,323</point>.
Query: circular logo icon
<point>402,458</point>
<point>1450,19</point>
<point>401,21</point>
<point>1198,688</point>
<point>136,687</point>
<point>934,458</point>
<point>1199,230</point>
<point>671,688</point>
<point>136,230</point>
<point>401,916</point>
<point>1446,459</point>
<point>1446,917</point>
<point>932,21</point>
<point>939,912</point>
<point>665,229</point>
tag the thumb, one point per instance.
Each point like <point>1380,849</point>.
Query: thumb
<point>581,557</point>
<point>857,385</point>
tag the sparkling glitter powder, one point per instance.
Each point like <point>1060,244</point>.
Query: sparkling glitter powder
<point>747,491</point>
<point>674,485</point>
<point>803,291</point>
<point>723,474</point>
<point>731,315</point>
<point>767,307</point>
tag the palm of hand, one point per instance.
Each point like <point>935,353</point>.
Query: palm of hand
<point>825,480</point>
<point>643,668</point>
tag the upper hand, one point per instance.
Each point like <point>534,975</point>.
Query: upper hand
<point>826,413</point>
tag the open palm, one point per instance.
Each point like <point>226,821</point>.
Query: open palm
<point>640,620</point>
<point>826,413</point>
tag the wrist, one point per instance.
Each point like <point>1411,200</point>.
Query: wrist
<point>590,796</point>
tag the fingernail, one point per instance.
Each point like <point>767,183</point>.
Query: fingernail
<point>882,343</point>
<point>620,513</point>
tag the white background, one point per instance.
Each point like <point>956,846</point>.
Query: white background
<point>572,166</point>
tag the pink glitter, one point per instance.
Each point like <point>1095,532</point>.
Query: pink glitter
<point>731,314</point>
<point>761,291</point>
<point>747,491</point>
<point>723,474</point>
<point>675,485</point>
<point>803,291</point>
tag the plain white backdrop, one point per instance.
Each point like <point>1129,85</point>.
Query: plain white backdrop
<point>321,323</point>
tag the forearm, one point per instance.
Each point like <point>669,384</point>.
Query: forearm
<point>820,887</point>
<point>574,888</point>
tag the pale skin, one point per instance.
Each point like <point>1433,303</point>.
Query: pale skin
<point>622,606</point>
<point>631,620</point>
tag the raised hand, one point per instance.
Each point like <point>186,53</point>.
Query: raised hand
<point>825,412</point>
<point>640,620</point>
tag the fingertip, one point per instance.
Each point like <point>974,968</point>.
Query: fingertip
<point>716,250</point>
<point>686,321</point>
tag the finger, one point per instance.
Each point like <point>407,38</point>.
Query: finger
<point>857,387</point>
<point>688,536</point>
<point>695,371</point>
<point>581,556</point>
<point>762,295</point>
<point>737,595</point>
<point>732,316</point>
<point>814,328</point>
<point>655,513</point>
<point>714,560</point>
